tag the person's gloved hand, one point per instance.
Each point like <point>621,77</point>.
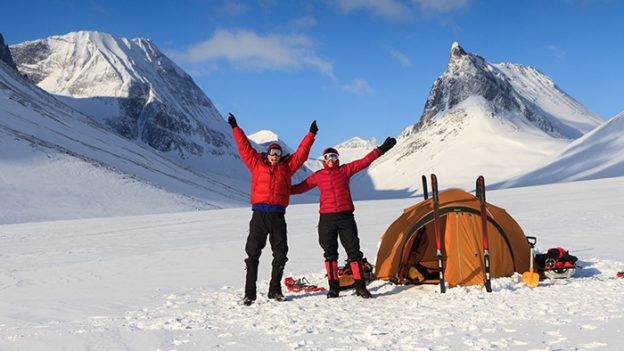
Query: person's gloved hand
<point>313,127</point>
<point>387,144</point>
<point>232,121</point>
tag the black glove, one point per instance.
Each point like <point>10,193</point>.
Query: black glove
<point>313,127</point>
<point>232,121</point>
<point>387,144</point>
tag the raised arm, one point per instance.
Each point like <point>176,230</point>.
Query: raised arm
<point>308,184</point>
<point>301,155</point>
<point>249,155</point>
<point>358,165</point>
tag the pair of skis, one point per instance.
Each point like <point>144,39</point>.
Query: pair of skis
<point>480,191</point>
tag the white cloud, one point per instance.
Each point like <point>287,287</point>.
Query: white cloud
<point>248,50</point>
<point>440,5</point>
<point>401,57</point>
<point>359,87</point>
<point>559,54</point>
<point>391,9</point>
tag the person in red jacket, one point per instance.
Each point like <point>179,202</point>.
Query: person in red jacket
<point>336,214</point>
<point>270,194</point>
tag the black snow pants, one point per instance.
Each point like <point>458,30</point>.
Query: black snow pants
<point>340,224</point>
<point>261,225</point>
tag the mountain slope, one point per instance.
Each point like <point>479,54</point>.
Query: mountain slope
<point>479,118</point>
<point>40,134</point>
<point>134,89</point>
<point>598,154</point>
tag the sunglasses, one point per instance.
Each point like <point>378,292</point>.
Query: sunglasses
<point>331,156</point>
<point>275,152</point>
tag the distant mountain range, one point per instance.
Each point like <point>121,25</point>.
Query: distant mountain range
<point>96,126</point>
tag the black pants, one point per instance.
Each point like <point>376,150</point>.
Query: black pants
<point>340,224</point>
<point>265,224</point>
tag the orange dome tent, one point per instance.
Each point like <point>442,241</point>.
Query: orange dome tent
<point>407,252</point>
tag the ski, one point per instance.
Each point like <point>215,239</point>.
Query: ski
<point>425,191</point>
<point>436,226</point>
<point>486,250</point>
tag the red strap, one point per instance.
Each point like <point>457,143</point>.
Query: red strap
<point>355,268</point>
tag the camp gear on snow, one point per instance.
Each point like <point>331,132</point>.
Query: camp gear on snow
<point>531,278</point>
<point>556,263</point>
<point>436,228</point>
<point>486,251</point>
<point>301,285</point>
<point>410,242</point>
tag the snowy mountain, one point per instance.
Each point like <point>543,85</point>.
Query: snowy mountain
<point>597,154</point>
<point>56,163</point>
<point>134,89</point>
<point>355,148</point>
<point>492,119</point>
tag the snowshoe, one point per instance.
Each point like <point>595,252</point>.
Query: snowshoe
<point>301,284</point>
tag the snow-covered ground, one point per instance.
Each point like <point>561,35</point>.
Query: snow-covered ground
<point>174,282</point>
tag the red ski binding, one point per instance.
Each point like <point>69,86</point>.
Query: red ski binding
<point>301,284</point>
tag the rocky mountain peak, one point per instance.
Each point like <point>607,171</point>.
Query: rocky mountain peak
<point>5,54</point>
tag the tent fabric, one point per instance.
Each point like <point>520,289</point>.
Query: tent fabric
<point>410,242</point>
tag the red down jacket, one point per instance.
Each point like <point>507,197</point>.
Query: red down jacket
<point>271,184</point>
<point>333,183</point>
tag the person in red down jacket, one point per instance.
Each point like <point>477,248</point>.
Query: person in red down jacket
<point>270,193</point>
<point>336,214</point>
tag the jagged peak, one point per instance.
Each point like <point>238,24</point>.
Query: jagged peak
<point>357,142</point>
<point>456,50</point>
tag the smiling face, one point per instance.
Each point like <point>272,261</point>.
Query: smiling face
<point>331,159</point>
<point>274,156</point>
<point>273,159</point>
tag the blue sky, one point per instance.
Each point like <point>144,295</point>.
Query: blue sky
<point>359,67</point>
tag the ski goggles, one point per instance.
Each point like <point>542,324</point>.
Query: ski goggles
<point>331,156</point>
<point>275,152</point>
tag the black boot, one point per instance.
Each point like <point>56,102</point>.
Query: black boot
<point>332,279</point>
<point>275,286</point>
<point>360,283</point>
<point>250,281</point>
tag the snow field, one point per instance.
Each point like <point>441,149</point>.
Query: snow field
<point>175,282</point>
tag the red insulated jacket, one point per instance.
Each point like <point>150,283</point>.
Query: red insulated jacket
<point>271,184</point>
<point>333,183</point>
